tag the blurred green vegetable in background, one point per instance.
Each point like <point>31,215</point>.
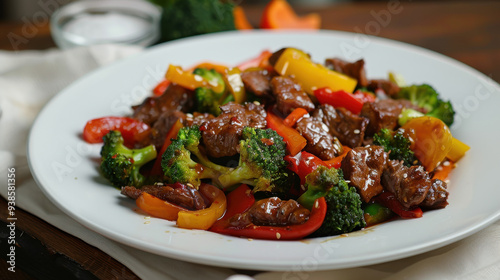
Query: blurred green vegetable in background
<point>183,18</point>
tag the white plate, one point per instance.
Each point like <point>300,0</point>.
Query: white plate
<point>66,168</point>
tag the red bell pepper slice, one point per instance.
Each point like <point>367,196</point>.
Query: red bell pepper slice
<point>294,141</point>
<point>339,98</point>
<point>161,87</point>
<point>390,201</point>
<point>336,161</point>
<point>132,130</point>
<point>303,164</point>
<point>243,199</point>
<point>259,61</point>
<point>364,96</point>
<point>171,134</point>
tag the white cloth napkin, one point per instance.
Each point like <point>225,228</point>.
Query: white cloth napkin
<point>29,79</point>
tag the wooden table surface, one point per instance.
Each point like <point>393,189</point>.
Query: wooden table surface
<point>468,31</point>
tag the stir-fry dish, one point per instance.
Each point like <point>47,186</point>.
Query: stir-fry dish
<point>281,147</point>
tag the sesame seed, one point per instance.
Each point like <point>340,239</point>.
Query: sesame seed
<point>190,185</point>
<point>256,103</point>
<point>446,163</point>
<point>198,78</point>
<point>356,131</point>
<point>278,235</point>
<point>147,222</point>
<point>250,239</point>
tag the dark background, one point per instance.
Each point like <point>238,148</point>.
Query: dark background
<point>15,10</point>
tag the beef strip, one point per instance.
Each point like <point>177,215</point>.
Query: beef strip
<point>389,88</point>
<point>272,212</point>
<point>437,196</point>
<point>161,127</point>
<point>319,141</point>
<point>257,82</point>
<point>347,127</point>
<point>355,70</point>
<point>363,167</point>
<point>175,98</point>
<point>177,194</point>
<point>409,184</point>
<point>221,135</point>
<point>290,95</point>
<point>383,114</point>
<point>198,119</point>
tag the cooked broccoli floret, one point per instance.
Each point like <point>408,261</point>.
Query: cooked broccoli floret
<point>344,213</point>
<point>183,18</point>
<point>121,165</point>
<point>396,145</point>
<point>207,99</point>
<point>443,111</point>
<point>183,161</point>
<point>426,97</point>
<point>261,162</point>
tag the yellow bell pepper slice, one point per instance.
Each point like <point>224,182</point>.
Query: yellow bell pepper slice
<point>232,78</point>
<point>176,75</point>
<point>204,219</point>
<point>458,150</point>
<point>310,75</point>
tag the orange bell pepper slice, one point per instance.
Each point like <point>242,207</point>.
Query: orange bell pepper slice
<point>240,19</point>
<point>175,74</point>
<point>220,68</point>
<point>199,219</point>
<point>442,172</point>
<point>294,116</point>
<point>294,141</point>
<point>163,85</point>
<point>279,14</point>
<point>157,207</point>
